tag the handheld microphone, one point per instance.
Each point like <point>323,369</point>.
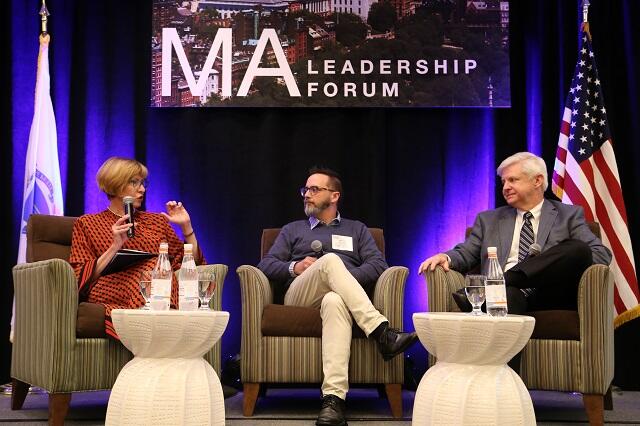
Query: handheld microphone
<point>129,209</point>
<point>534,250</point>
<point>316,246</point>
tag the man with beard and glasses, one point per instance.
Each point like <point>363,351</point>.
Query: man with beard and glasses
<point>334,279</point>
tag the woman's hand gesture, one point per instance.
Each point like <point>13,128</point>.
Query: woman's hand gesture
<point>176,213</point>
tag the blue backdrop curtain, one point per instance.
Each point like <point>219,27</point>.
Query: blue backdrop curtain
<point>421,174</point>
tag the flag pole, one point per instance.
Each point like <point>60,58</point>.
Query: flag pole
<point>7,389</point>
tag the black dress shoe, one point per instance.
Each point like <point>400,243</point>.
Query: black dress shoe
<point>460,297</point>
<point>332,412</point>
<point>392,341</point>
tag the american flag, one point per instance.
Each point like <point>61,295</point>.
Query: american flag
<point>586,174</point>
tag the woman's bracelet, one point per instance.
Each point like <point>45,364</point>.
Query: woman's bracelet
<point>189,234</point>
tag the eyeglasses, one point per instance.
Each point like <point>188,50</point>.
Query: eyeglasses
<point>314,190</point>
<point>137,182</point>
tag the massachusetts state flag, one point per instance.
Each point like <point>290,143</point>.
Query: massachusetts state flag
<point>586,174</point>
<point>42,187</point>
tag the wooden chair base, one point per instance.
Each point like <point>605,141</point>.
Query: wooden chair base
<point>394,395</point>
<point>58,408</point>
<point>594,406</point>
<point>19,391</point>
<point>251,391</point>
<point>608,400</point>
<point>393,392</point>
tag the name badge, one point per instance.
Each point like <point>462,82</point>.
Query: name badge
<point>341,242</point>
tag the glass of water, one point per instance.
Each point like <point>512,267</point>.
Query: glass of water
<point>474,289</point>
<point>206,287</point>
<point>145,288</point>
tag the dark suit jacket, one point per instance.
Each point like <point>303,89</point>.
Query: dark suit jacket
<point>494,228</point>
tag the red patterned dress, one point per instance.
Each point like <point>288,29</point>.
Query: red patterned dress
<point>92,236</point>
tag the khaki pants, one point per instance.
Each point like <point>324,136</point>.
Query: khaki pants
<point>328,285</point>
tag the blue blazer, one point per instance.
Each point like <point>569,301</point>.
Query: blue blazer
<point>494,228</point>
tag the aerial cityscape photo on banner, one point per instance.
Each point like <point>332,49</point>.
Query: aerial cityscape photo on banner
<point>330,53</point>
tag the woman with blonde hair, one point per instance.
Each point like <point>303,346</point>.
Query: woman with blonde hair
<point>97,238</point>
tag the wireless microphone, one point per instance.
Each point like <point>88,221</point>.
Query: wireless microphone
<point>129,209</point>
<point>316,246</point>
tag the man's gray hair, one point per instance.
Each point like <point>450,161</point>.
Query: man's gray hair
<point>532,165</point>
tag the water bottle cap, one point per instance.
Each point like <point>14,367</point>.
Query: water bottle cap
<point>188,248</point>
<point>164,247</point>
<point>492,250</point>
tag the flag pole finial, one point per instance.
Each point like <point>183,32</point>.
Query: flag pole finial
<point>585,18</point>
<point>585,10</point>
<point>44,18</point>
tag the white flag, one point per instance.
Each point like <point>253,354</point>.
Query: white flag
<point>42,186</point>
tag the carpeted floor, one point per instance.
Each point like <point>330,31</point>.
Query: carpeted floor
<point>364,409</point>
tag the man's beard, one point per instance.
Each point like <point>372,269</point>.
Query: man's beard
<point>315,210</point>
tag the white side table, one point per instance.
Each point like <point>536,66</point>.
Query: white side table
<point>470,384</point>
<point>168,382</point>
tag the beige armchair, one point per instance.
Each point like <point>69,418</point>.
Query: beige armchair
<point>50,348</point>
<point>275,349</point>
<point>569,351</point>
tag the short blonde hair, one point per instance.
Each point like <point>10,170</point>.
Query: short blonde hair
<point>115,173</point>
<point>532,165</point>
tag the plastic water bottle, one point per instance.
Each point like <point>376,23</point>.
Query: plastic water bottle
<point>495,290</point>
<point>188,281</point>
<point>161,281</point>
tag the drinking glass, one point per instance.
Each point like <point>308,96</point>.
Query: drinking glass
<point>145,288</point>
<point>206,287</point>
<point>474,289</point>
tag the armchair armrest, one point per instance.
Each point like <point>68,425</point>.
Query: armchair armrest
<point>595,309</point>
<point>388,296</point>
<point>255,294</point>
<point>440,285</point>
<point>46,298</point>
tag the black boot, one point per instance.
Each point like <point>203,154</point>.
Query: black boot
<point>332,412</point>
<point>392,341</point>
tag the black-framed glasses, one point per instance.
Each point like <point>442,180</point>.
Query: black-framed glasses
<point>314,190</point>
<point>137,182</point>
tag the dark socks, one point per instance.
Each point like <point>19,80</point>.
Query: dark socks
<point>379,330</point>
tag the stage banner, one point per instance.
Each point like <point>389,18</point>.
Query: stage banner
<point>330,53</point>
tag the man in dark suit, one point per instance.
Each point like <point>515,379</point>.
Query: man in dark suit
<point>566,244</point>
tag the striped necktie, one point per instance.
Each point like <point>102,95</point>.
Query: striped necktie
<point>526,237</point>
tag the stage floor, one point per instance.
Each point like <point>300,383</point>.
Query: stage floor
<point>288,407</point>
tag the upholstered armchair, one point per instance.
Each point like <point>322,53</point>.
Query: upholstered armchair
<point>282,344</point>
<point>56,346</point>
<point>570,351</point>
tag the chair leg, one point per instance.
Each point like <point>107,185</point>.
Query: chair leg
<point>19,391</point>
<point>58,408</point>
<point>394,394</point>
<point>594,405</point>
<point>608,400</point>
<point>251,391</point>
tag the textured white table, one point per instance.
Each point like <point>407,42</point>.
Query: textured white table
<point>168,382</point>
<point>470,384</point>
